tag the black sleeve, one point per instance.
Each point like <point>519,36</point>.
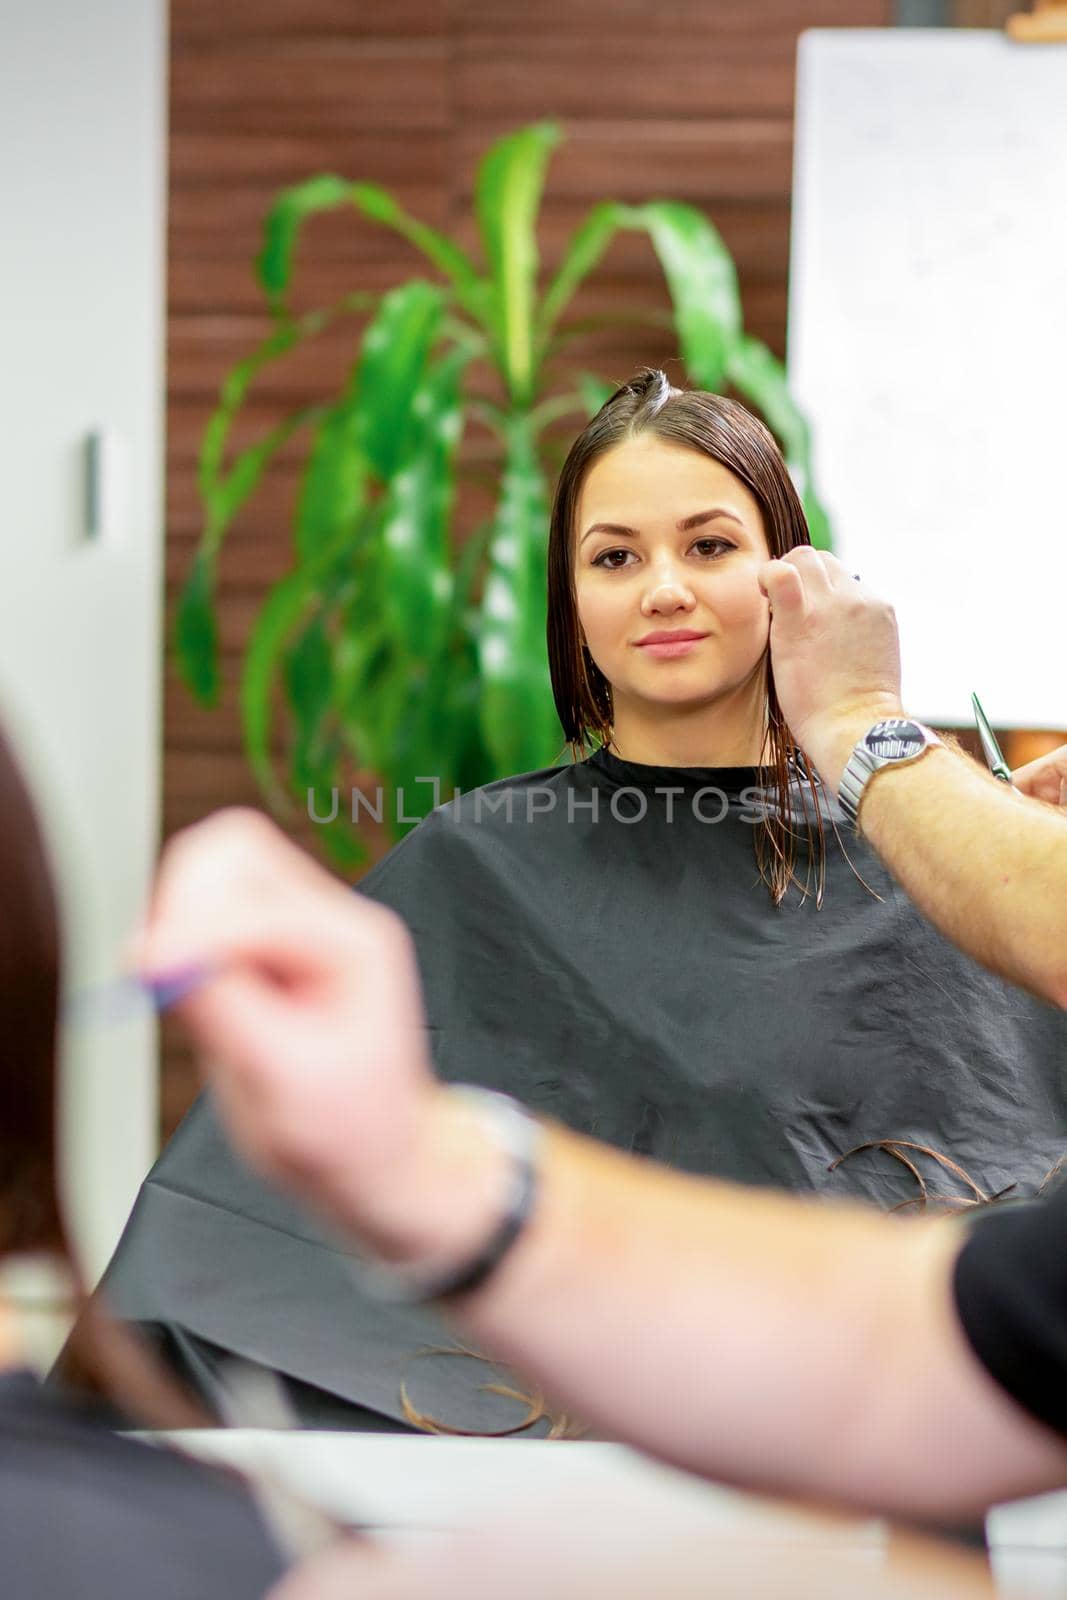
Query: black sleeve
<point>1011,1294</point>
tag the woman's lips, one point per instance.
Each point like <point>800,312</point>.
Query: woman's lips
<point>668,645</point>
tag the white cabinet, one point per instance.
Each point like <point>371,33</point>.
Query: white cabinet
<point>82,295</point>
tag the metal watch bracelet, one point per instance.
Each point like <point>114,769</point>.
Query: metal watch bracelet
<point>903,741</point>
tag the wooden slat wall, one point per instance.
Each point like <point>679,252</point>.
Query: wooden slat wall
<point>688,98</point>
<point>986,13</point>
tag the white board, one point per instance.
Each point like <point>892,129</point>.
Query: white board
<point>928,344</point>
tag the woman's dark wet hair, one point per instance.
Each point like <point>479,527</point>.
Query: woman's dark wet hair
<point>102,1357</point>
<point>728,433</point>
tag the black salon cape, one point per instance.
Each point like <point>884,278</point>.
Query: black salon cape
<point>607,953</point>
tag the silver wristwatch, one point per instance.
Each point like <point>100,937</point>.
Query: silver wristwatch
<point>891,743</point>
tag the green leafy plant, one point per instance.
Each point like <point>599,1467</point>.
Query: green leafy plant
<point>396,649</point>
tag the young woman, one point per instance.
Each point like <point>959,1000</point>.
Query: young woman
<point>665,943</point>
<point>84,1512</point>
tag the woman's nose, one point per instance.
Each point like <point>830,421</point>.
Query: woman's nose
<point>666,592</point>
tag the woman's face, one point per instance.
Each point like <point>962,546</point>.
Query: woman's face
<point>669,545</point>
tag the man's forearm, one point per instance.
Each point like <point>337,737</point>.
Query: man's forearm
<point>782,1344</point>
<point>987,868</point>
<point>986,865</point>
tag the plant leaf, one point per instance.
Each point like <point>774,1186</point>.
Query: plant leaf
<point>281,230</point>
<point>282,611</point>
<point>332,490</point>
<point>234,388</point>
<point>441,735</point>
<point>519,723</point>
<point>416,555</point>
<point>756,373</point>
<point>316,749</point>
<point>293,206</point>
<point>229,495</point>
<point>702,280</point>
<point>397,623</point>
<point>308,677</point>
<point>393,359</point>
<point>239,380</point>
<point>378,204</point>
<point>587,244</point>
<point>507,199</point>
<point>196,632</point>
<point>461,699</point>
<point>467,572</point>
<point>362,642</point>
<point>413,571</point>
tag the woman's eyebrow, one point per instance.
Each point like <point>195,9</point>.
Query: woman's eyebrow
<point>697,520</point>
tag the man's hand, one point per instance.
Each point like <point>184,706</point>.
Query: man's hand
<point>834,653</point>
<point>1045,779</point>
<point>313,1033</point>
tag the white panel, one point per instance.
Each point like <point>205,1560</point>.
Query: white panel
<point>82,156</point>
<point>928,342</point>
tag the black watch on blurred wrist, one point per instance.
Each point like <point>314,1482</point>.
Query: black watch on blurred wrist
<point>891,743</point>
<point>519,1135</point>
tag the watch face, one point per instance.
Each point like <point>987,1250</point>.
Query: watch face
<point>895,739</point>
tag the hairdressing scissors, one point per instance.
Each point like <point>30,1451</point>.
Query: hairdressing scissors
<point>990,748</point>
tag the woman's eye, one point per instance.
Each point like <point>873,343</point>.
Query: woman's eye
<point>713,547</point>
<point>709,549</point>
